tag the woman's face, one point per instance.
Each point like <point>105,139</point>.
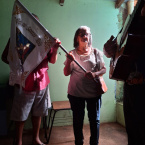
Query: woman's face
<point>84,36</point>
<point>83,39</point>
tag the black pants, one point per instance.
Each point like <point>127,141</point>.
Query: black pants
<point>134,112</point>
<point>78,109</point>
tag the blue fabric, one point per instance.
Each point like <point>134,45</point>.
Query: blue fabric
<point>134,112</point>
<point>78,109</point>
<point>141,63</point>
<point>134,106</point>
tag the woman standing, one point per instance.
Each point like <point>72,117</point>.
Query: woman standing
<point>82,88</point>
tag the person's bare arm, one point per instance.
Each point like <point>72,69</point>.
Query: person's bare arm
<point>52,56</point>
<point>92,75</point>
<point>67,68</point>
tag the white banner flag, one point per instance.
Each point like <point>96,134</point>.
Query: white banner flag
<point>29,44</point>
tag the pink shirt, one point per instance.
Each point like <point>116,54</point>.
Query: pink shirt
<point>38,79</point>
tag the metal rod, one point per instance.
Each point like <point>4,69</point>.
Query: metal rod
<point>74,60</point>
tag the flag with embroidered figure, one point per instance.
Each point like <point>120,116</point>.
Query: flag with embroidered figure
<point>29,44</point>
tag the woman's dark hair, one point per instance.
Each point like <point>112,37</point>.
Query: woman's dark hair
<point>76,43</point>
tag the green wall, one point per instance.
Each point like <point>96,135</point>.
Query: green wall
<point>62,22</point>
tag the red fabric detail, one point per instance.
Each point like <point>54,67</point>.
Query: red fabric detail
<point>38,79</point>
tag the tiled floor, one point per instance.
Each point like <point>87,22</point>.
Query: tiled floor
<point>110,134</point>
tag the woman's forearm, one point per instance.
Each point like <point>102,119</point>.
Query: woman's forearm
<point>67,68</point>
